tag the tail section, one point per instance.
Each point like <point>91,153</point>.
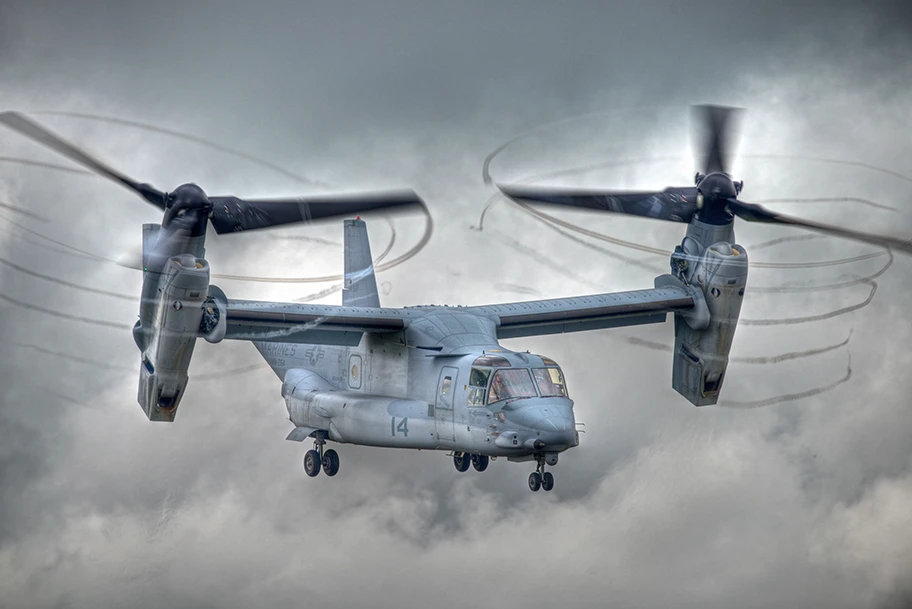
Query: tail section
<point>360,288</point>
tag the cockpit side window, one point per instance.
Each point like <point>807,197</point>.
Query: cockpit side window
<point>550,382</point>
<point>478,385</point>
<point>479,377</point>
<point>512,383</point>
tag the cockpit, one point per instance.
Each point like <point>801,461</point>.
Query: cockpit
<point>494,378</point>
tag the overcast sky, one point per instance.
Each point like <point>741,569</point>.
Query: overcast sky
<point>802,503</point>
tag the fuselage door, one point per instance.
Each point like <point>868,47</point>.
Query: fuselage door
<point>443,410</point>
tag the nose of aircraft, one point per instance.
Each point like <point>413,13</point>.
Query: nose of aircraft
<point>552,418</point>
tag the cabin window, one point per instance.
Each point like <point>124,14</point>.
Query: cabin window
<point>550,382</point>
<point>447,381</point>
<point>512,383</point>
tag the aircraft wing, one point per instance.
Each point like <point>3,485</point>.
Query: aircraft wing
<point>304,323</point>
<point>580,313</point>
<point>344,325</point>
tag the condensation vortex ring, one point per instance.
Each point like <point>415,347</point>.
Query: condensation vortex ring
<point>528,209</point>
<point>429,226</point>
<point>555,223</point>
<point>411,253</point>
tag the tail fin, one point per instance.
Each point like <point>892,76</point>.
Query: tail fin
<point>360,288</point>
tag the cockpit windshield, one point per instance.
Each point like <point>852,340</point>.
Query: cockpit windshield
<point>511,383</point>
<point>550,382</point>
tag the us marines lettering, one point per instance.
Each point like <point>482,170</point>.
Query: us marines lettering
<point>280,349</point>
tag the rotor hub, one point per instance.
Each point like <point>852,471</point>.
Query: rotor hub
<point>717,186</point>
<point>188,196</point>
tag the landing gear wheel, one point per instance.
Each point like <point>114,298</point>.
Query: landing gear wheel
<point>480,462</point>
<point>535,481</point>
<point>461,461</point>
<point>547,481</point>
<point>312,463</point>
<point>330,462</point>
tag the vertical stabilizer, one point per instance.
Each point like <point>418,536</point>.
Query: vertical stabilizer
<point>360,288</point>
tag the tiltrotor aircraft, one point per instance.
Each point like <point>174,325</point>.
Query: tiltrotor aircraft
<point>433,377</point>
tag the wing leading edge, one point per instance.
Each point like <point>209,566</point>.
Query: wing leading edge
<point>344,325</point>
<point>311,324</point>
<point>580,313</point>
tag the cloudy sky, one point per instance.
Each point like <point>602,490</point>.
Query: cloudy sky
<point>804,502</point>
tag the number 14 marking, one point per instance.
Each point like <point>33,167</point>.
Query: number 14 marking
<point>402,426</point>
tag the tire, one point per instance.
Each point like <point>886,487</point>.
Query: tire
<point>535,481</point>
<point>480,462</point>
<point>461,461</point>
<point>547,482</point>
<point>312,463</point>
<point>330,462</point>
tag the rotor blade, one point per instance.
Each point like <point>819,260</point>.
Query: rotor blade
<point>756,213</point>
<point>715,131</point>
<point>674,204</point>
<point>21,124</point>
<point>231,214</point>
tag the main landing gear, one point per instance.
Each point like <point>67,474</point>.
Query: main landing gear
<point>540,479</point>
<point>318,458</point>
<point>463,460</point>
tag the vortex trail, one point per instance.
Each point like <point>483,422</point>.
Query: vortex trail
<point>40,243</point>
<point>810,318</point>
<point>67,356</point>
<point>211,376</point>
<point>85,288</point>
<point>637,246</point>
<point>94,257</point>
<point>53,313</point>
<point>517,289</point>
<point>791,397</point>
<point>408,255</point>
<point>780,240</point>
<point>65,283</point>
<point>859,200</point>
<point>188,138</point>
<point>24,212</point>
<point>762,359</point>
<point>106,366</point>
<point>550,220</point>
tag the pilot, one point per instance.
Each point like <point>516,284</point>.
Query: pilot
<point>498,391</point>
<point>545,384</point>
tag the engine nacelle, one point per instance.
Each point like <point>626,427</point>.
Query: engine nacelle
<point>703,337</point>
<point>183,288</point>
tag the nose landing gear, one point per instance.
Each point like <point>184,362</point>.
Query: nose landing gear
<point>317,459</point>
<point>540,479</point>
